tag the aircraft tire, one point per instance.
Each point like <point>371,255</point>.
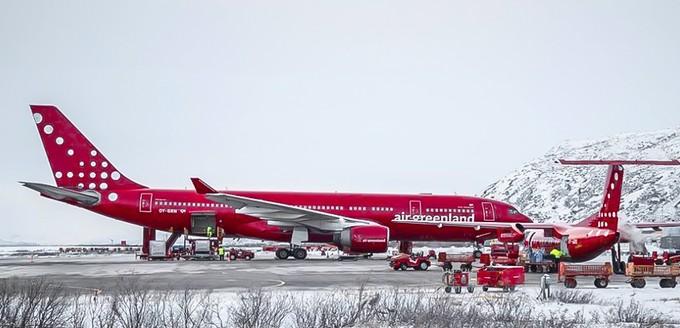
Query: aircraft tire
<point>447,289</point>
<point>477,254</point>
<point>282,253</point>
<point>458,289</point>
<point>300,253</point>
<point>471,289</point>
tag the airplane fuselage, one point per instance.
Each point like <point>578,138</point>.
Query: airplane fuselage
<point>164,209</point>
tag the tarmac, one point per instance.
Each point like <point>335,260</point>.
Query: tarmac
<point>105,272</point>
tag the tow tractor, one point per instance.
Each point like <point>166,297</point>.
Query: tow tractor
<point>245,254</point>
<point>405,261</point>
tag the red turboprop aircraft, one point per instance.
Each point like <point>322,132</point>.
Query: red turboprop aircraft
<point>363,223</point>
<point>590,237</point>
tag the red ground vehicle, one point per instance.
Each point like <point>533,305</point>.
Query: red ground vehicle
<point>406,261</point>
<point>638,273</point>
<point>447,261</point>
<point>245,254</point>
<point>568,272</point>
<point>505,277</point>
<point>457,280</point>
<point>654,259</point>
<point>504,254</point>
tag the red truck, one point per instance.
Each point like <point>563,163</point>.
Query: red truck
<point>406,261</point>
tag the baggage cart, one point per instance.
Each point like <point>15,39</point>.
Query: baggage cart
<point>499,276</point>
<point>638,273</point>
<point>447,261</point>
<point>568,272</point>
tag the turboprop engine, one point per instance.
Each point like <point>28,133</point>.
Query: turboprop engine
<point>364,239</point>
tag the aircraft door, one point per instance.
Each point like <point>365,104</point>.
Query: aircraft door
<point>563,246</point>
<point>145,200</point>
<point>415,208</point>
<point>489,213</point>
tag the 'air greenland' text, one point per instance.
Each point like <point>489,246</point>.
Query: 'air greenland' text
<point>435,218</point>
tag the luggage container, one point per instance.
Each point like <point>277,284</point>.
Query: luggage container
<point>157,250</point>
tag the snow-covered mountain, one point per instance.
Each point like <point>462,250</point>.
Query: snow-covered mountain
<point>547,191</point>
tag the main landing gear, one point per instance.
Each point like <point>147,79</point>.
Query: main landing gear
<point>478,249</point>
<point>298,253</point>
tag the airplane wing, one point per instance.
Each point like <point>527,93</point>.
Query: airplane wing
<point>279,214</point>
<point>519,227</point>
<point>655,225</point>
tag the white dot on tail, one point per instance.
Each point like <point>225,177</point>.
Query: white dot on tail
<point>58,175</point>
<point>93,152</point>
<point>70,174</point>
<point>48,129</point>
<point>113,197</point>
<point>37,117</point>
<point>70,152</point>
<point>103,186</point>
<point>115,175</point>
<point>59,140</point>
<point>92,185</point>
<point>104,175</point>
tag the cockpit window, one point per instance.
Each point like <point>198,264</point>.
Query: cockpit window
<point>512,211</point>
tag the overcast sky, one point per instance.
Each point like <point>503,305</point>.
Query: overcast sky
<point>366,96</point>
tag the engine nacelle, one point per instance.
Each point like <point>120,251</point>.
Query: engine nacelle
<point>365,239</point>
<point>510,236</point>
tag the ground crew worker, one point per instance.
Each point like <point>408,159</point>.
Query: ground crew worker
<point>208,232</point>
<point>556,253</point>
<point>220,252</point>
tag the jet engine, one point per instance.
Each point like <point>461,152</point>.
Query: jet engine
<point>364,239</point>
<point>515,235</point>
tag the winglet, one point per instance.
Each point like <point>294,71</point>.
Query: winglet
<point>202,187</point>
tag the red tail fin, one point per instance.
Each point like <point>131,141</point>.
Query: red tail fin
<point>608,216</point>
<point>75,162</point>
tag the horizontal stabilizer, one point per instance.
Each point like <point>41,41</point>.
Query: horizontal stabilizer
<point>617,162</point>
<point>83,197</point>
<point>202,187</point>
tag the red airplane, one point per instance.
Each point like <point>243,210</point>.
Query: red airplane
<point>363,223</point>
<point>590,237</point>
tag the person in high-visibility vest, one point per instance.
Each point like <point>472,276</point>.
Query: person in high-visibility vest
<point>556,253</point>
<point>208,232</point>
<point>220,252</point>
